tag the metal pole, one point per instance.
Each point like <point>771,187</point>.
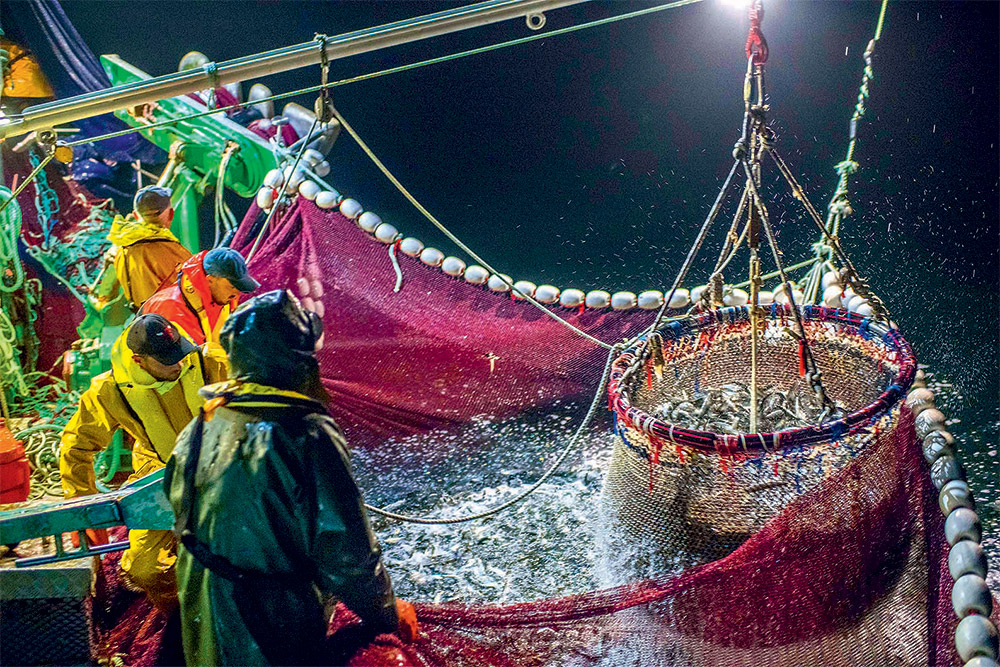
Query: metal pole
<point>51,114</point>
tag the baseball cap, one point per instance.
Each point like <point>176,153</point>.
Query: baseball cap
<point>151,200</point>
<point>154,336</point>
<point>228,263</point>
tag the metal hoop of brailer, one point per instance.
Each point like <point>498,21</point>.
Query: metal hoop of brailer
<point>975,636</point>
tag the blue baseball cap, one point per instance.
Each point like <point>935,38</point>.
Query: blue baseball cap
<point>227,263</point>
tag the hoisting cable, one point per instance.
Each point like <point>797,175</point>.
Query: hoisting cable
<point>599,399</point>
<point>395,70</point>
<point>733,242</point>
<point>755,139</point>
<point>814,377</point>
<point>454,239</point>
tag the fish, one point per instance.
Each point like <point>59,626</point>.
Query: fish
<point>726,409</point>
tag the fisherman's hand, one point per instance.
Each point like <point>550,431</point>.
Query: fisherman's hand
<point>408,629</point>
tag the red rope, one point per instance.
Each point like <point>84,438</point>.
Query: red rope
<point>756,44</point>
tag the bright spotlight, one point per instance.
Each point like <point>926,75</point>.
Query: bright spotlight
<point>736,4</point>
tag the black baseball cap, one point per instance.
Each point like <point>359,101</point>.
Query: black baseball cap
<point>151,200</point>
<point>228,263</point>
<point>154,336</point>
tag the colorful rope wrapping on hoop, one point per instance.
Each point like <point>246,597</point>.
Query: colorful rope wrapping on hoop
<point>705,325</point>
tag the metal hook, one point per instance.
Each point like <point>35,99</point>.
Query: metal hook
<point>324,105</point>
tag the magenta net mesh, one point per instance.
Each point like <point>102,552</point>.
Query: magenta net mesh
<point>400,363</point>
<point>852,571</point>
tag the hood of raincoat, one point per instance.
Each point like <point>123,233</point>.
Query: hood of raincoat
<point>126,231</point>
<point>271,340</point>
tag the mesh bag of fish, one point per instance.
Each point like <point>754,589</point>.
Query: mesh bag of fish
<point>687,474</point>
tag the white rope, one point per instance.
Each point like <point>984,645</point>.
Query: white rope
<point>395,267</point>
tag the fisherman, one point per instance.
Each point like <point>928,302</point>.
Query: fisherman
<point>207,290</point>
<point>146,254</point>
<point>271,522</point>
<point>151,392</point>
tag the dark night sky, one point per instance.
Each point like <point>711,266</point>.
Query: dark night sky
<point>589,159</point>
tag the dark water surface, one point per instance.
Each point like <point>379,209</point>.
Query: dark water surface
<point>588,160</point>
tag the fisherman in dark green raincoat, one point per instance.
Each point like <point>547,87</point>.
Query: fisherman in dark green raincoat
<point>271,523</point>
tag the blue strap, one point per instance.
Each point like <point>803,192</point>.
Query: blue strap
<point>864,329</point>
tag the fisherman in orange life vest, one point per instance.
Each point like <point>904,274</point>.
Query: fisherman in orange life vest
<point>146,254</point>
<point>207,291</point>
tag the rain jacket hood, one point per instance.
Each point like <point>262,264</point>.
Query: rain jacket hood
<point>271,340</point>
<point>128,231</point>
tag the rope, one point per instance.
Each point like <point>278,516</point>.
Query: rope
<point>9,364</point>
<point>10,231</point>
<point>221,219</point>
<point>839,206</point>
<point>395,267</point>
<point>395,70</point>
<point>815,375</point>
<point>46,202</point>
<point>570,446</point>
<point>775,274</point>
<point>454,239</point>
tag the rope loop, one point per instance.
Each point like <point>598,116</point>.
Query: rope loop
<point>535,21</point>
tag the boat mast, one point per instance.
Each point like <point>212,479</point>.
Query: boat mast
<point>49,115</point>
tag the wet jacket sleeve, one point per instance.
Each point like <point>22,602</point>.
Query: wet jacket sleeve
<point>88,432</point>
<point>344,549</point>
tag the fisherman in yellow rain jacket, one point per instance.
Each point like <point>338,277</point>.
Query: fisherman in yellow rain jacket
<point>151,392</point>
<point>146,254</point>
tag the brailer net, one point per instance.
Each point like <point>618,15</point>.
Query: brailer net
<point>822,546</point>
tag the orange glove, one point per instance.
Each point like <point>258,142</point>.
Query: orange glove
<point>407,628</point>
<point>94,536</point>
